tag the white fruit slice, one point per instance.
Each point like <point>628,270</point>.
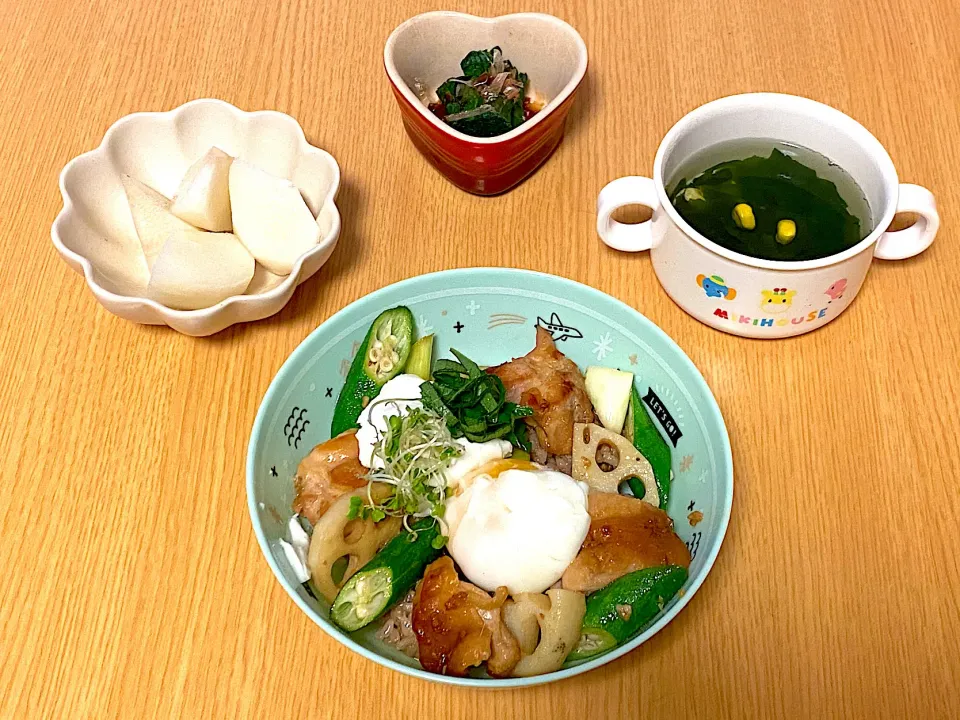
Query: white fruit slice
<point>203,198</point>
<point>151,217</point>
<point>270,217</point>
<point>195,270</point>
<point>609,391</point>
<point>263,281</point>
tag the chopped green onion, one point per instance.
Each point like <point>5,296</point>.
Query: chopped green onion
<point>473,403</point>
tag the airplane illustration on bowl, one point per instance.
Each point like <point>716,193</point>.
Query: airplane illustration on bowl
<point>558,331</point>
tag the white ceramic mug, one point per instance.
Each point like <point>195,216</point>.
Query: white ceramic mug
<point>745,295</point>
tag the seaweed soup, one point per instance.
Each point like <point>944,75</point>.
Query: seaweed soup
<point>771,200</point>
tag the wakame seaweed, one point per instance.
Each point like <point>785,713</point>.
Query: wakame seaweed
<point>772,189</point>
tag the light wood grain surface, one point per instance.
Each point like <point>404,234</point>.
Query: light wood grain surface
<point>131,582</point>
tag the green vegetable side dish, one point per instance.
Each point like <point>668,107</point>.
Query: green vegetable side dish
<point>489,99</point>
<point>619,610</point>
<point>640,429</point>
<point>382,356</point>
<point>387,578</point>
<point>774,208</point>
<point>473,403</point>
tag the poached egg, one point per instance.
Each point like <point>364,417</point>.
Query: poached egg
<point>520,529</point>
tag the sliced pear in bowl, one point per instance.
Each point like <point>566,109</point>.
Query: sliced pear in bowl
<point>196,270</point>
<point>203,198</point>
<point>270,217</point>
<point>609,391</point>
<point>151,217</point>
<point>263,281</point>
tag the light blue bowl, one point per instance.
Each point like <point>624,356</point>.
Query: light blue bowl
<point>490,314</point>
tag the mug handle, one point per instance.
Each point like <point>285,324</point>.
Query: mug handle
<point>901,244</point>
<point>616,194</point>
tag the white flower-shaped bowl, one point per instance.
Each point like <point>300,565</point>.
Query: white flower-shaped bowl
<point>94,231</point>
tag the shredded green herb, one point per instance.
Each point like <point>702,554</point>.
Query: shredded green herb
<point>473,403</point>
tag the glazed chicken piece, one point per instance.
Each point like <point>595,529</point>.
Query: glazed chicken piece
<point>331,469</point>
<point>625,535</point>
<point>552,384</point>
<point>458,625</point>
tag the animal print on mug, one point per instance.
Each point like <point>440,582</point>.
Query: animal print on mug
<point>776,301</point>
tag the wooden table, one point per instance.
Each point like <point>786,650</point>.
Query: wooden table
<point>132,585</point>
